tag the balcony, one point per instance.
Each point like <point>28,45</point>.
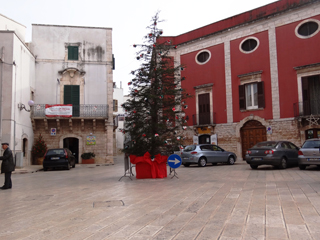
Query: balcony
<point>204,119</point>
<point>84,116</point>
<point>80,111</point>
<point>306,108</point>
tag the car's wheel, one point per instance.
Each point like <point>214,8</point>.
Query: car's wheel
<point>283,163</point>
<point>69,166</point>
<point>202,162</point>
<point>74,165</point>
<point>253,166</point>
<point>302,167</point>
<point>231,160</point>
<point>186,164</point>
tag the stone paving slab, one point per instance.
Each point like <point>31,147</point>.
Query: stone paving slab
<point>216,202</point>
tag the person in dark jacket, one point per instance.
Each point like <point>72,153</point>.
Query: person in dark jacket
<point>7,166</point>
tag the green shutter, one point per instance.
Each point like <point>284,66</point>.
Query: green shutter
<point>73,52</point>
<point>72,96</point>
<point>67,94</point>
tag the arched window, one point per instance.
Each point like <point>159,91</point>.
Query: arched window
<point>24,146</point>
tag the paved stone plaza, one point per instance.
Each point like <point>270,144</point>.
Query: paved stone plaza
<point>215,202</point>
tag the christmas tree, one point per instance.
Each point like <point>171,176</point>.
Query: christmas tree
<point>39,147</point>
<point>155,121</point>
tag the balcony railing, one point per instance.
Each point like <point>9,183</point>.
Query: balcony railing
<point>306,108</point>
<point>204,119</point>
<point>82,111</point>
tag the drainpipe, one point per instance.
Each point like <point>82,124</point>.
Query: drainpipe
<point>1,75</point>
<point>15,106</point>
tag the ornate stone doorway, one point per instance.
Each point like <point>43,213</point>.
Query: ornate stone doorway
<point>252,132</point>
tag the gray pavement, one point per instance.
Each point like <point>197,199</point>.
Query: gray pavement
<point>215,202</point>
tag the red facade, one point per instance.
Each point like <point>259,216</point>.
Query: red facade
<point>293,52</point>
<point>212,72</point>
<point>245,63</point>
<point>253,74</point>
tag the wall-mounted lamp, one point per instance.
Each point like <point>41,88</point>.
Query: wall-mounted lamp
<point>22,106</point>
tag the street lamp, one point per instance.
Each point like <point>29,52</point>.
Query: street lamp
<point>22,106</point>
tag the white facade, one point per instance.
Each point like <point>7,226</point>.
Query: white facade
<point>17,66</point>
<point>49,45</point>
<point>40,71</point>
<point>89,68</point>
<point>118,96</point>
<point>8,24</point>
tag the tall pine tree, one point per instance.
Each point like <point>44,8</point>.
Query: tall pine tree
<point>155,121</point>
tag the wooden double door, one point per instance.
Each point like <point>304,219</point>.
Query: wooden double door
<point>252,132</point>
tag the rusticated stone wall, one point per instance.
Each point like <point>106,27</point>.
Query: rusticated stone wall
<point>75,129</point>
<point>229,137</point>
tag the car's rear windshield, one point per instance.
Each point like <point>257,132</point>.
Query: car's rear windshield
<point>189,148</point>
<point>265,144</point>
<point>55,152</point>
<point>311,144</point>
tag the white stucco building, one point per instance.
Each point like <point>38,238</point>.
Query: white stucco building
<point>74,66</point>
<point>62,65</point>
<point>118,112</point>
<point>17,84</point>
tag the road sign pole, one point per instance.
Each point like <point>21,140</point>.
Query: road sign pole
<point>174,173</point>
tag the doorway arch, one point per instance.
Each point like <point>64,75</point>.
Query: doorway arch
<point>251,133</point>
<point>73,145</point>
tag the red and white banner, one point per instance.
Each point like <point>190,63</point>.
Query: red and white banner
<point>59,110</point>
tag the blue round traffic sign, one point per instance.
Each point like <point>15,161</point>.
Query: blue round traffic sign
<point>174,161</point>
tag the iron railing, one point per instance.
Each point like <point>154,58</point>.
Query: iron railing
<point>82,110</point>
<point>203,119</point>
<point>306,108</point>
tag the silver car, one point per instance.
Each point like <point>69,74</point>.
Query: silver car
<point>309,153</point>
<point>202,154</point>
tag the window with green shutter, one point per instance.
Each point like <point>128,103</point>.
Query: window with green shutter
<point>73,53</point>
<point>72,96</point>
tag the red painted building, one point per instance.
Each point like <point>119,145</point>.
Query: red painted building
<point>254,76</point>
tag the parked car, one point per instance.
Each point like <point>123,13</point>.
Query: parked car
<point>276,153</point>
<point>59,158</point>
<point>178,150</point>
<point>202,154</point>
<point>309,153</point>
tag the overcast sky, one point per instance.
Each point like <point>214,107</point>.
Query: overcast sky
<point>127,18</point>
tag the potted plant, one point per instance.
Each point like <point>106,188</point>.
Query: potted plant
<point>87,157</point>
<point>39,149</point>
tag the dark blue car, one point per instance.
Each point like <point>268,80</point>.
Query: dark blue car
<point>276,153</point>
<point>59,158</point>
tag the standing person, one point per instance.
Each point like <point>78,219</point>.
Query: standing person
<point>7,166</point>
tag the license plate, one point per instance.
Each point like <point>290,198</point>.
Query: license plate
<point>313,159</point>
<point>55,158</point>
<point>257,159</point>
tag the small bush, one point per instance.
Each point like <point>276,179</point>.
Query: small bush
<point>87,155</point>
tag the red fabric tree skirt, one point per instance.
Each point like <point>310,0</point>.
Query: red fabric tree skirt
<point>145,168</point>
